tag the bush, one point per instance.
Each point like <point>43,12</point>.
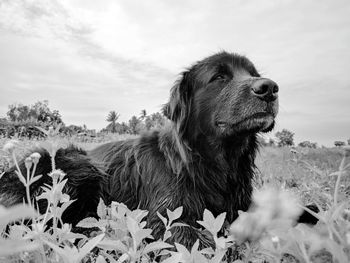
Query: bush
<point>285,138</point>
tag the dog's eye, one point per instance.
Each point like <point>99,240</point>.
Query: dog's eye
<point>217,77</point>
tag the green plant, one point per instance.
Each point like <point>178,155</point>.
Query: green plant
<point>266,232</point>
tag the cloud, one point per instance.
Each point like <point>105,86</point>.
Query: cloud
<point>88,57</point>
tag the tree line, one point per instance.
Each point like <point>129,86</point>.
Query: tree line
<point>22,120</point>
<point>136,124</point>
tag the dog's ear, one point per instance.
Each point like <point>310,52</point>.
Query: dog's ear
<point>178,109</point>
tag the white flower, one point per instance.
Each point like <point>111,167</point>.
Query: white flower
<point>10,146</point>
<point>28,163</point>
<point>275,239</point>
<point>273,204</point>
<point>57,175</point>
<point>35,157</point>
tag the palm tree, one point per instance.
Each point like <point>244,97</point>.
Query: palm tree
<point>112,118</point>
<point>143,114</point>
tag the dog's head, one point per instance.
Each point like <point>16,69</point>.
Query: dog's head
<point>223,95</point>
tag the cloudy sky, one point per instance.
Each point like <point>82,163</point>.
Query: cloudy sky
<point>88,57</point>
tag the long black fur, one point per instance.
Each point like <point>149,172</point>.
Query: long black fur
<point>203,159</point>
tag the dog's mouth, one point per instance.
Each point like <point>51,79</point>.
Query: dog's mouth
<point>260,121</point>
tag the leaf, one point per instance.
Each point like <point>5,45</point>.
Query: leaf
<point>10,247</point>
<point>164,220</point>
<point>218,256</point>
<point>89,246</point>
<point>21,178</point>
<point>212,224</point>
<point>35,178</point>
<point>8,215</point>
<point>88,222</point>
<point>109,257</point>
<point>138,214</point>
<point>101,209</point>
<point>174,258</point>
<point>182,249</point>
<point>195,246</point>
<point>167,234</point>
<point>173,215</point>
<point>118,210</point>
<point>219,221</point>
<point>137,233</point>
<point>17,232</point>
<point>100,259</point>
<point>157,245</point>
<point>109,245</point>
<point>132,225</point>
<point>63,207</point>
<point>141,235</point>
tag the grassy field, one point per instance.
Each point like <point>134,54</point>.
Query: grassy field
<point>308,173</point>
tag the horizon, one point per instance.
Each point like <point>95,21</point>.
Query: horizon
<point>88,58</point>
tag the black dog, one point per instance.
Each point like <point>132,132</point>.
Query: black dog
<point>204,159</point>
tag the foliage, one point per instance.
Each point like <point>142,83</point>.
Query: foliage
<point>266,232</point>
<point>135,125</point>
<point>308,144</point>
<point>112,117</point>
<point>266,142</point>
<point>23,119</point>
<point>143,114</point>
<point>285,138</point>
<point>339,143</point>
<point>40,112</point>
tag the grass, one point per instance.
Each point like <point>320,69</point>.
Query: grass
<point>314,175</point>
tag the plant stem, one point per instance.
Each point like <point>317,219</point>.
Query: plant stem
<point>337,184</point>
<point>15,160</point>
<point>53,164</point>
<point>303,250</point>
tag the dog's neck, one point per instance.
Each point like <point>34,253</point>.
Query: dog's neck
<point>226,166</point>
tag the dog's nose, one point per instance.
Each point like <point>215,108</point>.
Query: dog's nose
<point>265,89</point>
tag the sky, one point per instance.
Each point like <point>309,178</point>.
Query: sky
<point>89,57</point>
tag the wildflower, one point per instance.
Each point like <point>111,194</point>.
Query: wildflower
<point>10,146</point>
<point>35,157</point>
<point>28,163</point>
<point>275,239</point>
<point>57,175</point>
<point>248,226</point>
<point>274,204</point>
<point>270,206</point>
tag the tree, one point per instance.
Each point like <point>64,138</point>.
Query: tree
<point>134,123</point>
<point>112,118</point>
<point>285,138</point>
<point>339,143</point>
<point>39,112</point>
<point>72,129</point>
<point>308,144</point>
<point>348,141</point>
<point>143,114</point>
<point>155,120</point>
